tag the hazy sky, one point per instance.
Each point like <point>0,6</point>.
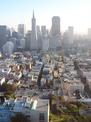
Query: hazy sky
<point>75,13</point>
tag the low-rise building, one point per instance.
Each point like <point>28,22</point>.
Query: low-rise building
<point>35,109</point>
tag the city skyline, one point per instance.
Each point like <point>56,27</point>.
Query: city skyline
<point>72,13</point>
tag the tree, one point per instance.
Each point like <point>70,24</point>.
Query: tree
<point>40,76</point>
<point>19,118</point>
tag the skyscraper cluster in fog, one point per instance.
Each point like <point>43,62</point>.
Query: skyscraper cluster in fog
<point>37,38</point>
<point>42,39</point>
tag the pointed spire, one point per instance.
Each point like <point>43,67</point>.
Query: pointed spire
<point>33,14</point>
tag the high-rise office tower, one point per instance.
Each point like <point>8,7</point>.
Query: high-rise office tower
<point>71,34</point>
<point>43,30</point>
<point>33,34</point>
<point>28,40</point>
<point>14,41</point>
<point>55,40</point>
<point>21,29</point>
<point>55,25</point>
<point>45,40</point>
<point>38,31</point>
<point>89,33</point>
<point>65,41</point>
<point>15,35</point>
<point>3,35</point>
<point>39,38</point>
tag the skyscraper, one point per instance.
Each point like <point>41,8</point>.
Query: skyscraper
<point>71,34</point>
<point>45,40</point>
<point>33,34</point>
<point>21,29</point>
<point>89,33</point>
<point>39,38</point>
<point>3,35</point>
<point>28,40</point>
<point>43,30</point>
<point>55,25</point>
<point>55,40</point>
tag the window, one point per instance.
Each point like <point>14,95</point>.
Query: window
<point>41,117</point>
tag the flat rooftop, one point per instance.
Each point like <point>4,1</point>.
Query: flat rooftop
<point>42,105</point>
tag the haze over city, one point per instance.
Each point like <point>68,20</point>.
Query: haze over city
<point>72,13</point>
<point>45,61</point>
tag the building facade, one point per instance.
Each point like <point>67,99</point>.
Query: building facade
<point>21,30</point>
